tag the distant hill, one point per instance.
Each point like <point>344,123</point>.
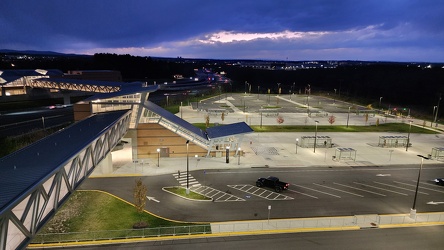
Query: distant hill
<point>35,52</point>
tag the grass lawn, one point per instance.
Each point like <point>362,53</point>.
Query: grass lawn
<point>97,211</point>
<point>387,127</point>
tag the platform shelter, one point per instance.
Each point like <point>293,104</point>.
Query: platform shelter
<point>345,154</point>
<point>437,153</point>
<point>393,141</point>
<point>321,141</point>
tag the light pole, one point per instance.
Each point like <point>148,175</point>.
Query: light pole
<point>279,84</point>
<point>227,154</point>
<point>408,137</point>
<point>238,156</point>
<point>297,141</point>
<point>413,210</point>
<point>316,135</point>
<point>431,123</point>
<point>258,92</point>
<point>158,157</point>
<point>436,114</point>
<point>188,183</point>
<point>348,115</point>
<point>380,99</point>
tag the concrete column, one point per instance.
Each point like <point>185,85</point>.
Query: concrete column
<point>106,165</point>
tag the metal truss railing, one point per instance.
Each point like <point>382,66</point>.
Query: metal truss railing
<point>21,223</point>
<point>47,83</point>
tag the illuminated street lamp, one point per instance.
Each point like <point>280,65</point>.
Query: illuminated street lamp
<point>408,137</point>
<point>297,141</point>
<point>431,123</point>
<point>238,156</point>
<point>227,155</point>
<point>316,135</point>
<point>413,210</point>
<point>188,183</point>
<point>158,157</point>
<point>348,115</point>
<point>436,114</point>
<point>380,99</point>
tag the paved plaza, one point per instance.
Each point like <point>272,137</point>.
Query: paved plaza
<point>278,149</point>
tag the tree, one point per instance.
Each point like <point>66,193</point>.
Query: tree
<point>207,120</point>
<point>331,119</point>
<point>140,192</point>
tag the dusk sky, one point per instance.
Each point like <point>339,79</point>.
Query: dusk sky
<point>377,30</point>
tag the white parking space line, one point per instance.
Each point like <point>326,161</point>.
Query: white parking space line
<point>337,196</point>
<point>303,194</point>
<point>419,186</point>
<point>339,190</point>
<point>380,188</point>
<point>216,195</point>
<point>265,194</point>
<point>384,184</point>
<point>363,190</point>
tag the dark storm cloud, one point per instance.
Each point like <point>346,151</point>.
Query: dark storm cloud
<point>300,30</point>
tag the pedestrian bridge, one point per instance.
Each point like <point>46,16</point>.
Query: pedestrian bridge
<point>36,180</point>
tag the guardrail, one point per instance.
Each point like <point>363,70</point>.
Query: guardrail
<point>264,226</point>
<point>120,234</point>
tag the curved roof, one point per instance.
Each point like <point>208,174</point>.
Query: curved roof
<point>22,170</point>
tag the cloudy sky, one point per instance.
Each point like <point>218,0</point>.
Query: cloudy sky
<point>385,30</point>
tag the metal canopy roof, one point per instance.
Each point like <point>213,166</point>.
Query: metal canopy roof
<point>228,130</point>
<point>174,119</point>
<point>23,170</point>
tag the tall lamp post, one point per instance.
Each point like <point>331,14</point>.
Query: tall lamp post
<point>436,114</point>
<point>316,135</point>
<point>380,99</point>
<point>188,183</point>
<point>238,156</point>
<point>158,157</point>
<point>433,114</point>
<point>297,141</point>
<point>413,210</point>
<point>408,137</point>
<point>348,115</point>
<point>227,154</point>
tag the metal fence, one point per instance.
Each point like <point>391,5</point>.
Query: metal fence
<point>120,234</point>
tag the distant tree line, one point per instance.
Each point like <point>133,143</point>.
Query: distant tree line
<point>399,84</point>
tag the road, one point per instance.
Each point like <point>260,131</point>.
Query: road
<point>314,191</point>
<point>429,238</point>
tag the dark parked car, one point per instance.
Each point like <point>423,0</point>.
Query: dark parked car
<point>272,182</point>
<point>439,181</point>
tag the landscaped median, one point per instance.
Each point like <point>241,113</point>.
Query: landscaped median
<point>98,216</point>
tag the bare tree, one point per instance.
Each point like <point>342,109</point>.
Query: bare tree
<point>207,120</point>
<point>140,192</point>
